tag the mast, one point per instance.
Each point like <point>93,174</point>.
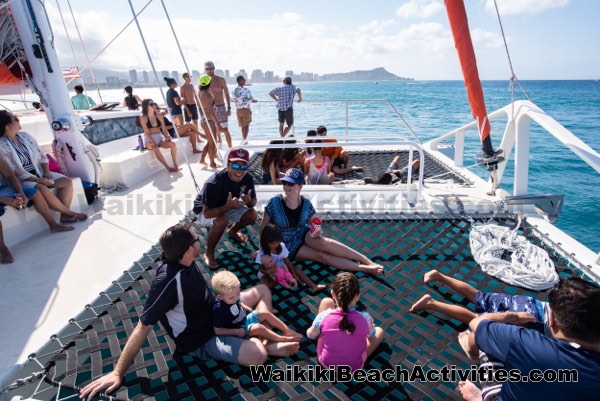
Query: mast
<point>46,76</point>
<point>459,24</point>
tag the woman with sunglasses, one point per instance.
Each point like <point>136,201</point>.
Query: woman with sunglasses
<point>156,135</point>
<point>25,158</point>
<point>291,213</point>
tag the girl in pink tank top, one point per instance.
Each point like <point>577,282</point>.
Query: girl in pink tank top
<point>345,336</point>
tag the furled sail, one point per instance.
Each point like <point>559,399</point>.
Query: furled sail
<point>459,24</point>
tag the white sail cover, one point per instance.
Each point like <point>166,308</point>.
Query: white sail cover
<point>529,265</point>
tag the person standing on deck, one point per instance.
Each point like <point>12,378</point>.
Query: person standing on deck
<point>218,88</point>
<point>284,96</point>
<point>243,98</point>
<point>188,95</point>
<point>81,101</point>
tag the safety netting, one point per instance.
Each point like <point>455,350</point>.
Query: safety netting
<point>90,344</point>
<point>376,162</point>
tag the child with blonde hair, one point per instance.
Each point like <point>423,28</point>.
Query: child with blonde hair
<point>346,336</point>
<point>232,318</point>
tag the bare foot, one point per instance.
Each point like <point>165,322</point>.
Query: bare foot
<point>237,236</point>
<point>421,304</point>
<point>74,218</point>
<point>432,275</point>
<point>357,168</point>
<point>211,262</point>
<point>371,269</point>
<point>213,166</point>
<point>463,340</point>
<point>60,228</point>
<point>5,256</point>
<point>196,151</point>
<point>294,335</point>
<point>318,288</point>
<point>469,391</point>
<point>282,349</point>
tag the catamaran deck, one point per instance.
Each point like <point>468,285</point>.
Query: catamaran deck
<point>408,247</point>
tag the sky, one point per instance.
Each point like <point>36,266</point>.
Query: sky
<point>547,39</point>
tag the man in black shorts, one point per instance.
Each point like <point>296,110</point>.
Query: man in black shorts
<point>190,110</point>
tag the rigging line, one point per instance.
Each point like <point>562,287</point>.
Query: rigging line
<point>115,38</point>
<point>70,42</point>
<point>212,134</point>
<point>512,71</point>
<point>188,71</point>
<point>162,93</point>
<point>84,50</point>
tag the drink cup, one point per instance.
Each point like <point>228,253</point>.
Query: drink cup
<point>19,198</point>
<point>315,227</point>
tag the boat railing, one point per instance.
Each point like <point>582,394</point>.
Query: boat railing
<point>347,102</point>
<point>517,134</point>
<point>405,189</point>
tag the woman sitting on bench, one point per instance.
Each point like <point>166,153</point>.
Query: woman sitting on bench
<point>156,135</point>
<point>27,161</point>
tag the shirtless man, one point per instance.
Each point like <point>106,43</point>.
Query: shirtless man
<point>218,88</point>
<point>188,95</point>
<point>208,121</point>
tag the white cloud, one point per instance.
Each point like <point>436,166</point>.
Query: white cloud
<point>419,8</point>
<point>376,26</point>
<point>486,39</point>
<point>507,7</point>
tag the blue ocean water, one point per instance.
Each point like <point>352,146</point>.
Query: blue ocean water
<point>433,108</point>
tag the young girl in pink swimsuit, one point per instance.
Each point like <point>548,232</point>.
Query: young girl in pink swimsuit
<point>346,336</point>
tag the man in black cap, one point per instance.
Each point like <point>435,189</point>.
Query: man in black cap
<point>222,107</point>
<point>227,196</point>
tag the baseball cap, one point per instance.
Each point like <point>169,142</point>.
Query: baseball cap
<point>204,80</point>
<point>238,155</point>
<point>294,176</point>
<point>209,64</point>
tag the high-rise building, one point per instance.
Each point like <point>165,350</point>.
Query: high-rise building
<point>175,75</point>
<point>290,74</point>
<point>269,76</point>
<point>227,76</point>
<point>163,74</point>
<point>257,76</point>
<point>195,76</point>
<point>145,76</point>
<point>133,76</point>
<point>112,80</point>
<point>220,73</point>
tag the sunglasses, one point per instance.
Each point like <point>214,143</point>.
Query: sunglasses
<point>152,104</point>
<point>288,184</point>
<point>237,166</point>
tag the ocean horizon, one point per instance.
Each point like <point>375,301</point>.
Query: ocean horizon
<point>434,107</point>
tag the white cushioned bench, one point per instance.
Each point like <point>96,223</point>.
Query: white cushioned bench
<point>20,225</point>
<point>132,166</point>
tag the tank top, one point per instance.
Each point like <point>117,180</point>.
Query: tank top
<point>316,174</point>
<point>131,102</point>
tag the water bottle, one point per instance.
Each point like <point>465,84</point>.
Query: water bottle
<point>141,144</point>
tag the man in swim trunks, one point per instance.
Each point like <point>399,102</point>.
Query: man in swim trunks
<point>190,99</point>
<point>222,107</point>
